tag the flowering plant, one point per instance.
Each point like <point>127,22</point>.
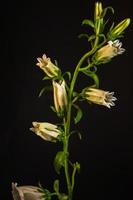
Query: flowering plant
<point>104,45</point>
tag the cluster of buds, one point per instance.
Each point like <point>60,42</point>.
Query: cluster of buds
<point>99,97</point>
<point>45,130</point>
<point>26,192</point>
<point>107,52</point>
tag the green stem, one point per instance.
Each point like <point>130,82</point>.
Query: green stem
<point>68,117</point>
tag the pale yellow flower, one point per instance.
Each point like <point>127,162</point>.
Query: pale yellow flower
<point>26,193</point>
<point>60,96</point>
<point>100,97</point>
<point>109,51</point>
<point>47,66</point>
<point>45,130</point>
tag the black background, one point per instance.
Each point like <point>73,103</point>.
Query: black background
<point>105,152</point>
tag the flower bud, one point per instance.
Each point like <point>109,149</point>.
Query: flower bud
<point>60,96</point>
<point>107,52</point>
<point>118,29</point>
<point>26,192</point>
<point>100,97</point>
<point>48,67</point>
<point>45,130</point>
<point>98,10</point>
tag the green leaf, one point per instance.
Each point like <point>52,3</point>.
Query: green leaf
<point>83,35</point>
<point>46,78</point>
<point>46,88</point>
<point>93,75</point>
<point>105,11</point>
<point>68,74</point>
<point>56,186</point>
<point>79,114</point>
<point>88,22</point>
<point>112,26</point>
<point>77,132</point>
<point>92,37</point>
<point>59,161</point>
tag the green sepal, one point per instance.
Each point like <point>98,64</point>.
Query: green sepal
<point>105,11</point>
<point>56,62</point>
<point>46,194</point>
<point>112,26</point>
<point>59,161</point>
<point>53,108</point>
<point>46,78</point>
<point>79,114</point>
<point>44,89</point>
<point>88,22</point>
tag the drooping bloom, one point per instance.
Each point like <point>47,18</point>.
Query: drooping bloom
<point>60,96</point>
<point>48,67</point>
<point>45,130</point>
<point>109,51</point>
<point>100,97</point>
<point>26,192</point>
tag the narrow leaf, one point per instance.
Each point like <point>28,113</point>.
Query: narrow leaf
<point>68,74</point>
<point>88,22</point>
<point>45,78</point>
<point>83,35</point>
<point>79,114</point>
<point>105,11</point>
<point>112,26</point>
<point>93,75</point>
<point>92,37</point>
<point>46,88</point>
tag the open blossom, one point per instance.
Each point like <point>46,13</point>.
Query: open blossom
<point>45,130</point>
<point>100,97</point>
<point>48,67</point>
<point>60,96</point>
<point>109,51</point>
<point>26,192</point>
